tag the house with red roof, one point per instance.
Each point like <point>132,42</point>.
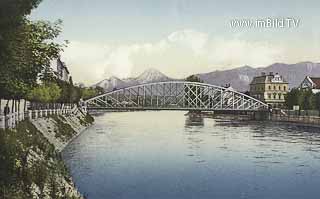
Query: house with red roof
<point>312,83</point>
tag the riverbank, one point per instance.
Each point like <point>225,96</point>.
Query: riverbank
<point>285,118</point>
<point>312,121</point>
<point>30,155</point>
<point>277,117</point>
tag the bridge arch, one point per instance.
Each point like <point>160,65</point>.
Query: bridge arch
<point>175,95</point>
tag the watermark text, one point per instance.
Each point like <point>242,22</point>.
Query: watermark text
<point>287,22</point>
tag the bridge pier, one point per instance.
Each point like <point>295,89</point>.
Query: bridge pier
<point>261,115</point>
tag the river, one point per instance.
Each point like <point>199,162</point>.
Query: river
<point>168,155</point>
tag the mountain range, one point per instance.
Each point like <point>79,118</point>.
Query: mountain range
<point>148,76</point>
<point>239,78</point>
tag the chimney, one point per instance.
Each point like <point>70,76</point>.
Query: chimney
<point>271,73</point>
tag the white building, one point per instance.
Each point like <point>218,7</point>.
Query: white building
<point>62,71</point>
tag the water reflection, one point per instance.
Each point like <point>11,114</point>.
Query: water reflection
<point>194,119</point>
<point>171,155</point>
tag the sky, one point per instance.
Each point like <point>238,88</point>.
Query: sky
<point>180,37</point>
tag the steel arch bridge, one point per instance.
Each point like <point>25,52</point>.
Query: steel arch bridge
<point>175,95</point>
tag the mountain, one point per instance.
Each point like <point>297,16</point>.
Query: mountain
<point>111,83</point>
<point>240,78</point>
<point>148,76</point>
<point>152,75</point>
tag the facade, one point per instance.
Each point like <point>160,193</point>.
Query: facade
<point>312,83</point>
<point>270,89</point>
<point>62,71</point>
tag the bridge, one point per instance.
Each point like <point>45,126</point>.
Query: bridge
<point>176,95</point>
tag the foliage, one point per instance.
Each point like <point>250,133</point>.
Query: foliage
<point>26,47</point>
<point>28,158</point>
<point>69,92</point>
<point>15,147</point>
<point>194,78</point>
<point>87,120</point>
<point>195,90</point>
<point>64,131</point>
<point>304,98</point>
<point>87,93</point>
<point>45,93</point>
<point>13,11</point>
<point>317,101</point>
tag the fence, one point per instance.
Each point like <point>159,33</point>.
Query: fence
<point>11,120</point>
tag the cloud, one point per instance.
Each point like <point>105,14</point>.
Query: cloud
<point>85,61</point>
<point>179,54</point>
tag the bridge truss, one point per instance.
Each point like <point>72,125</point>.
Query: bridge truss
<point>175,95</point>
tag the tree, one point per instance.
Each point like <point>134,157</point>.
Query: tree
<point>193,78</point>
<point>49,92</point>
<point>305,98</point>
<point>87,93</point>
<point>292,98</point>
<point>317,101</point>
<point>54,91</point>
<point>192,91</point>
<point>26,47</point>
<point>12,15</point>
<point>99,89</point>
<point>308,100</point>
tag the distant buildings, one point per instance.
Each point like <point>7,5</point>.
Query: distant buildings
<point>269,88</point>
<point>62,71</point>
<point>312,83</point>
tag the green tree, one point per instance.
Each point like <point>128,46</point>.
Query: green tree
<point>54,91</point>
<point>99,90</point>
<point>194,78</point>
<point>193,91</point>
<point>309,100</point>
<point>87,93</point>
<point>49,92</point>
<point>317,101</point>
<point>292,98</point>
<point>26,47</point>
<point>305,98</point>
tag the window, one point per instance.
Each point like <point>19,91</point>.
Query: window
<point>274,87</point>
<point>284,88</point>
<point>269,87</point>
<point>279,88</point>
<point>274,95</point>
<point>279,95</point>
<point>269,96</point>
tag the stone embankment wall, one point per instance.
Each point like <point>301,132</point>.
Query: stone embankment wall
<point>31,163</point>
<point>61,129</point>
<point>298,119</point>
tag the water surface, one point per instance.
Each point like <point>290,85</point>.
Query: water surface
<point>163,154</point>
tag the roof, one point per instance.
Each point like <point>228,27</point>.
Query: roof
<point>316,82</point>
<point>270,78</point>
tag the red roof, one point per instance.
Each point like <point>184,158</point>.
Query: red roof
<point>316,81</point>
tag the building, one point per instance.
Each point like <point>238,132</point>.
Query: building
<point>62,71</point>
<point>312,83</point>
<point>270,89</point>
